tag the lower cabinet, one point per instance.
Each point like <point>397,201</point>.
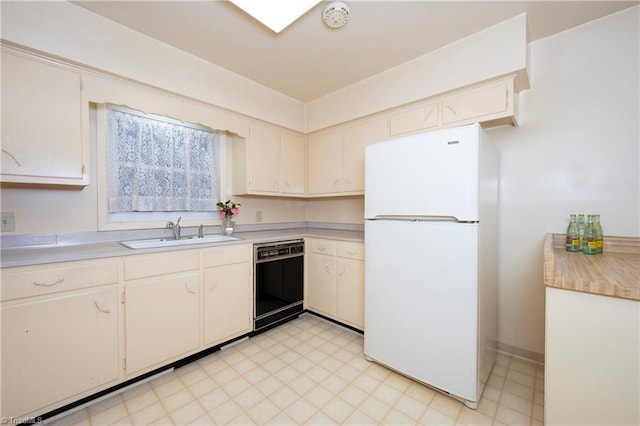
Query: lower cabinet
<point>228,303</point>
<point>335,280</point>
<point>58,346</point>
<point>64,325</point>
<point>162,320</point>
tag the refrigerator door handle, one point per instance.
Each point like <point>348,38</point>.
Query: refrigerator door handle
<point>412,218</point>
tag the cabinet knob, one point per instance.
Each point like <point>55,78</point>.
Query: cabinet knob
<point>327,268</point>
<point>186,286</point>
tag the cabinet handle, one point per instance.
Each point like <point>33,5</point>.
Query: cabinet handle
<point>15,160</point>
<point>101,309</point>
<point>352,252</point>
<point>186,286</point>
<point>342,270</point>
<point>213,286</point>
<point>328,269</point>
<point>286,184</point>
<point>49,284</point>
<point>426,117</point>
<point>321,248</point>
<point>336,182</point>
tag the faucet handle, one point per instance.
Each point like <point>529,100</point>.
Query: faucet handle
<point>201,231</point>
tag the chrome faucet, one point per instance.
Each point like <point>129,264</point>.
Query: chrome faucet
<point>175,227</point>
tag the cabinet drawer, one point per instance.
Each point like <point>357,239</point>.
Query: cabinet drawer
<point>350,250</point>
<point>34,281</point>
<point>217,256</point>
<point>323,247</point>
<point>160,264</point>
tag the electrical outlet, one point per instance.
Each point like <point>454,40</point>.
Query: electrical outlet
<point>258,215</point>
<point>8,222</point>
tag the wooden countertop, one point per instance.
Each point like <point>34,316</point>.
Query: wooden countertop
<point>616,272</point>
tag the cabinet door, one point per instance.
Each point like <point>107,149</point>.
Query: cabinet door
<point>228,303</point>
<point>480,104</point>
<point>292,162</point>
<point>350,292</point>
<point>419,118</point>
<point>54,348</point>
<point>321,285</point>
<point>356,138</point>
<point>42,138</point>
<point>264,159</point>
<point>162,320</point>
<point>325,163</point>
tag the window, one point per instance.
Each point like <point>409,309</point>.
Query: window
<point>156,164</point>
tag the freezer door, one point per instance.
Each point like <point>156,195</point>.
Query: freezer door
<point>429,174</point>
<point>421,301</point>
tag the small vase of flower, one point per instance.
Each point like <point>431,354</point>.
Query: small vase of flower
<point>226,212</point>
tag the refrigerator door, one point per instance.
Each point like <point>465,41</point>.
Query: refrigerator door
<point>421,301</point>
<point>428,174</point>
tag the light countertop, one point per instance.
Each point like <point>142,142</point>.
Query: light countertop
<point>616,272</point>
<point>23,256</point>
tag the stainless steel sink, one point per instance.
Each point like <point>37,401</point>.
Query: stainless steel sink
<point>169,242</point>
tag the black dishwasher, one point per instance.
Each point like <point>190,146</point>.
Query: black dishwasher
<point>278,282</point>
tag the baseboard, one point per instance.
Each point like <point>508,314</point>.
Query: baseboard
<point>521,353</point>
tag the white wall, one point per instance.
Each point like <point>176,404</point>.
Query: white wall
<point>577,150</point>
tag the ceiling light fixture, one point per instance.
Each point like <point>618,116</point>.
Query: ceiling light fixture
<point>276,14</point>
<point>336,14</point>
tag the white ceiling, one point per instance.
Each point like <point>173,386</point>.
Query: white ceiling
<point>308,60</point>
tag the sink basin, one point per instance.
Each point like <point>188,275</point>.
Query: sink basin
<point>169,242</point>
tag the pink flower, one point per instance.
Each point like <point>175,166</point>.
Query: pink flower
<point>235,210</point>
<point>222,214</point>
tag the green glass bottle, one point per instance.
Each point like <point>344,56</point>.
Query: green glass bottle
<point>573,236</point>
<point>599,235</point>
<point>581,225</point>
<point>590,239</point>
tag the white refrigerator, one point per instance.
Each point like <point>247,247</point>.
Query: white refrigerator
<point>431,258</point>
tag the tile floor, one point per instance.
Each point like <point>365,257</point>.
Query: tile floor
<point>310,371</point>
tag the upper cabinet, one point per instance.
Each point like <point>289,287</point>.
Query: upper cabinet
<point>490,104</point>
<point>485,103</point>
<point>270,162</point>
<point>43,139</point>
<point>336,158</point>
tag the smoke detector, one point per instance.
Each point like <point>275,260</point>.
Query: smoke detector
<point>336,14</point>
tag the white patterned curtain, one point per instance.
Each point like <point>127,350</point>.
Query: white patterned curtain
<point>160,165</point>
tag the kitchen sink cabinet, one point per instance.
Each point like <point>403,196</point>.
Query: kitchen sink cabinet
<point>336,158</point>
<point>43,140</point>
<point>228,293</point>
<point>57,346</point>
<point>162,320</point>
<point>162,308</point>
<point>270,162</point>
<point>335,280</point>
